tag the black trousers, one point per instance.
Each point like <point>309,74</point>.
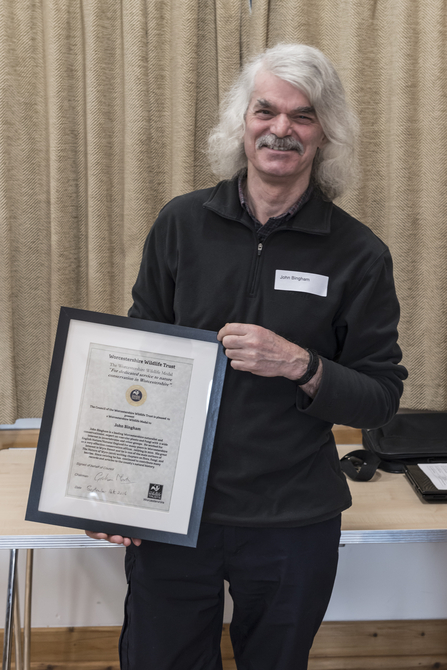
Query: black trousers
<point>280,579</point>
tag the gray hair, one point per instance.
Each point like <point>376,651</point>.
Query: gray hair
<point>310,71</point>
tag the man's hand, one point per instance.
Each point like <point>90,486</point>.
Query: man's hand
<point>258,350</point>
<point>115,539</point>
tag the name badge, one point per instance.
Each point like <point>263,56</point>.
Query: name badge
<point>305,282</point>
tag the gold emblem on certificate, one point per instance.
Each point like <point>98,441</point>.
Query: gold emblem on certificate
<point>129,427</point>
<point>136,395</point>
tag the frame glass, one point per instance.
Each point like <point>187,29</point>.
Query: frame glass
<point>128,427</point>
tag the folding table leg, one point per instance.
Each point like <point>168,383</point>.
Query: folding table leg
<point>27,613</point>
<point>6,664</point>
<point>17,627</point>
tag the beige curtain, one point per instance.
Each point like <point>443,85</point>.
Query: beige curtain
<point>105,106</point>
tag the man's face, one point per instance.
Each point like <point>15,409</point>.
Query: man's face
<point>279,110</point>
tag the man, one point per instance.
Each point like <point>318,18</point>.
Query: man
<point>303,300</point>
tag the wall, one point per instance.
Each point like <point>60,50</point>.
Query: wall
<point>86,587</point>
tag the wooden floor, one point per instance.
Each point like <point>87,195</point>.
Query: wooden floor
<point>358,645</point>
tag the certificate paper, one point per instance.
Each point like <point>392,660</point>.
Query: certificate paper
<point>127,439</point>
<point>128,427</point>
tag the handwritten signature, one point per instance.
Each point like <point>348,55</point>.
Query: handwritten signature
<point>105,477</point>
<point>124,478</point>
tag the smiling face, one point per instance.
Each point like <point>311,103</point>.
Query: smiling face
<point>279,110</point>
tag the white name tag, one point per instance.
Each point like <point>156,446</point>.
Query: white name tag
<point>305,282</point>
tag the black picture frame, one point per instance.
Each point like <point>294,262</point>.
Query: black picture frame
<point>77,332</point>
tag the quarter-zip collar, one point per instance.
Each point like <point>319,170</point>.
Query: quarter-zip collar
<point>313,218</point>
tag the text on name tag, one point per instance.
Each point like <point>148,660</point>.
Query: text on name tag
<point>304,282</point>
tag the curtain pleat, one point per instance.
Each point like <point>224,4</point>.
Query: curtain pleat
<point>105,108</point>
<point>24,213</point>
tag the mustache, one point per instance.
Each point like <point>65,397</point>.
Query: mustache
<point>288,143</point>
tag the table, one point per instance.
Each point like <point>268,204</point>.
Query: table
<point>16,466</point>
<point>386,509</point>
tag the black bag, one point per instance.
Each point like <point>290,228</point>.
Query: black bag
<point>407,439</point>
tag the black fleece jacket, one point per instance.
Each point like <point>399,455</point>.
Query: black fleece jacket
<point>274,460</point>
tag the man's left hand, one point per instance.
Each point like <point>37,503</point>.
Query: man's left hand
<point>260,351</point>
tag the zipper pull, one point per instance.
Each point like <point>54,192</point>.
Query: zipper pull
<point>259,248</point>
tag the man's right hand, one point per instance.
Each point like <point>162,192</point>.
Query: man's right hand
<point>115,539</point>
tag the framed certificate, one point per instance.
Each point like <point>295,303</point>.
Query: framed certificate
<point>128,427</point>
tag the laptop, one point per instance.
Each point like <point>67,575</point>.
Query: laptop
<point>429,480</point>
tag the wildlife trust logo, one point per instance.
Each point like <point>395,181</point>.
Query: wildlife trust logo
<point>155,491</point>
<point>136,395</point>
